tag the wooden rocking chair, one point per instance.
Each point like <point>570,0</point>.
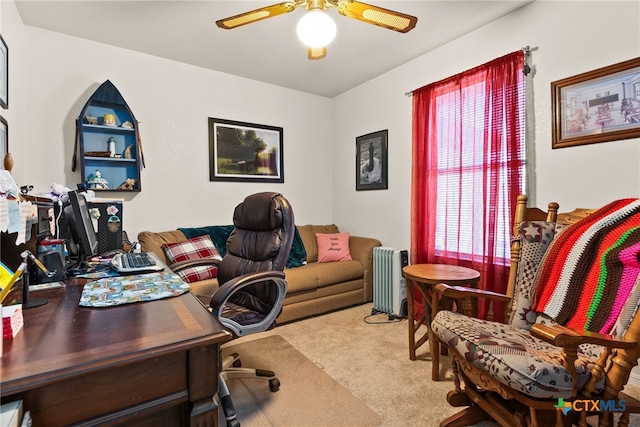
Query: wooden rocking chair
<point>537,370</point>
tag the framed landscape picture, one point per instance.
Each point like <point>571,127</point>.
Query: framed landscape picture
<point>597,106</point>
<point>246,152</point>
<point>371,161</point>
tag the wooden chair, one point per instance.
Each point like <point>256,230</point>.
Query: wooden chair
<point>534,371</point>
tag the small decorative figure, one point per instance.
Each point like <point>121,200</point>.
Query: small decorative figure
<point>112,146</point>
<point>97,182</point>
<point>113,224</point>
<point>26,188</point>
<point>94,213</point>
<point>109,119</point>
<point>8,162</point>
<point>127,152</point>
<point>92,120</point>
<point>127,125</point>
<point>128,184</point>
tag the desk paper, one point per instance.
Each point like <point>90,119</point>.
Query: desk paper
<point>8,185</point>
<point>25,212</point>
<point>13,211</point>
<point>4,214</point>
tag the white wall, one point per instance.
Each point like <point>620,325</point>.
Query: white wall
<point>56,74</point>
<point>568,38</point>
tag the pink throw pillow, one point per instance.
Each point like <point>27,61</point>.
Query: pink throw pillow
<point>333,247</point>
<point>196,248</point>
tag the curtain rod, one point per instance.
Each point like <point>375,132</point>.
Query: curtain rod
<point>526,69</point>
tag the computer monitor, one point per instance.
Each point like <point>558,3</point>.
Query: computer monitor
<point>78,220</point>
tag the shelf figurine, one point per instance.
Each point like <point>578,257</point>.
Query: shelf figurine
<point>95,181</point>
<point>128,184</point>
<point>112,147</point>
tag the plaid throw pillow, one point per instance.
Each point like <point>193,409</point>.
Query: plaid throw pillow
<point>195,248</point>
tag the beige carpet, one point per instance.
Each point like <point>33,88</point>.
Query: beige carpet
<point>369,357</point>
<point>308,396</point>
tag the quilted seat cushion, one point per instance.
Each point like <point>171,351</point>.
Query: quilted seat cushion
<point>512,356</point>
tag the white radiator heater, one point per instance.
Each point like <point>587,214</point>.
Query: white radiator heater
<point>389,287</point>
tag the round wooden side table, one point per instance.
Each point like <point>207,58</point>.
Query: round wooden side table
<point>423,277</point>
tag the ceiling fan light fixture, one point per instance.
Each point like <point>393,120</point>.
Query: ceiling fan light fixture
<point>316,29</point>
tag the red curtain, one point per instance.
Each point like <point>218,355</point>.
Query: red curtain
<point>467,170</point>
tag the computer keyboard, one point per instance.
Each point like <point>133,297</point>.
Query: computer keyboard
<point>131,262</point>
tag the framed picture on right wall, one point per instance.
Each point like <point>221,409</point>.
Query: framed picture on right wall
<point>372,161</point>
<point>597,106</point>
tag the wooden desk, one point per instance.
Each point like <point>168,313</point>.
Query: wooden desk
<point>149,363</point>
<point>423,277</point>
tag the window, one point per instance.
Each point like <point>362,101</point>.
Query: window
<point>469,167</point>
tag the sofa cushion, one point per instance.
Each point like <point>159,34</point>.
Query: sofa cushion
<point>317,275</point>
<point>333,247</point>
<point>152,241</point>
<point>196,248</point>
<point>308,235</point>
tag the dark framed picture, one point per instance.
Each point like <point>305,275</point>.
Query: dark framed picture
<point>4,74</point>
<point>597,106</point>
<point>372,161</point>
<point>4,140</point>
<point>247,152</point>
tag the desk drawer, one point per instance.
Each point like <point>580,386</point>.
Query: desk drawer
<point>100,393</point>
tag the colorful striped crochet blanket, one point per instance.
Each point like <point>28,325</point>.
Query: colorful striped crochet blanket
<point>591,269</point>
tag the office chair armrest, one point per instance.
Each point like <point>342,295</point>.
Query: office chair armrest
<point>225,291</point>
<point>179,266</point>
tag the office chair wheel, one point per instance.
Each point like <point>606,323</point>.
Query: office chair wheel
<point>274,385</point>
<point>233,423</point>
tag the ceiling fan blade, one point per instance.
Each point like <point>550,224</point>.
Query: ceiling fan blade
<point>316,52</point>
<point>258,14</point>
<point>375,15</point>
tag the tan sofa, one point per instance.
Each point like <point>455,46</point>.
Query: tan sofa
<point>314,288</point>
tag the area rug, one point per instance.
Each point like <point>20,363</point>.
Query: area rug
<point>308,397</point>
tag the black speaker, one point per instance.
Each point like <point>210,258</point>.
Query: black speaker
<point>109,221</point>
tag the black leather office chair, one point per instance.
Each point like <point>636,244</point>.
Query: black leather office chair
<point>252,282</point>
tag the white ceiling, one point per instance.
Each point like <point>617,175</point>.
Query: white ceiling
<point>268,51</point>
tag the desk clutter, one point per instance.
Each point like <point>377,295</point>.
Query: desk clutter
<point>113,291</point>
<point>12,320</point>
<point>13,414</point>
<point>17,217</point>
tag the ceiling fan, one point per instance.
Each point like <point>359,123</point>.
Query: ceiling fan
<point>316,29</point>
